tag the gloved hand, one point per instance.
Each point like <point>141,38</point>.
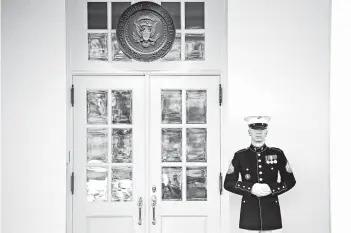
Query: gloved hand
<point>261,190</point>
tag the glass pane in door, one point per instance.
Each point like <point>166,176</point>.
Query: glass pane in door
<point>96,186</point>
<point>117,53</point>
<point>122,183</point>
<point>97,145</point>
<point>194,46</point>
<point>122,148</point>
<point>194,15</point>
<point>173,9</point>
<point>122,107</point>
<point>96,107</point>
<point>171,109</point>
<point>196,106</point>
<point>97,15</point>
<point>97,46</point>
<point>171,145</point>
<point>196,148</point>
<point>172,183</point>
<point>196,183</point>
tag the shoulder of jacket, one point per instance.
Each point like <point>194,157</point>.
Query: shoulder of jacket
<point>241,151</point>
<point>277,149</point>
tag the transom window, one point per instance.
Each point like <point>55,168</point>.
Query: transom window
<point>188,17</point>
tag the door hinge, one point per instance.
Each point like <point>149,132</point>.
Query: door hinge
<point>72,183</point>
<point>220,183</point>
<point>220,94</point>
<point>72,95</point>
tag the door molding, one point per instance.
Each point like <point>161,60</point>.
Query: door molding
<point>225,198</point>
<point>152,73</point>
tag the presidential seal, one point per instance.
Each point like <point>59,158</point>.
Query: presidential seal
<point>145,31</point>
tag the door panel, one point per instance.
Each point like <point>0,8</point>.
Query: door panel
<point>173,178</point>
<point>184,154</point>
<point>109,154</point>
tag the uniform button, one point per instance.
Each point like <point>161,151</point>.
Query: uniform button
<point>276,201</point>
<point>283,186</point>
<point>248,188</point>
<point>244,201</point>
<point>259,160</point>
<point>259,154</point>
<point>260,166</point>
<point>261,179</point>
<point>243,186</point>
<point>247,169</point>
<point>239,185</point>
<point>273,190</point>
<point>278,188</point>
<point>260,172</point>
<point>272,168</point>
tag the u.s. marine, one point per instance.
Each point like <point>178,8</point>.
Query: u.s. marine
<point>259,167</point>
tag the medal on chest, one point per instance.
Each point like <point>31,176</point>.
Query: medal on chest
<point>271,159</point>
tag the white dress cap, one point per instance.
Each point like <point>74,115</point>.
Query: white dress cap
<point>257,121</point>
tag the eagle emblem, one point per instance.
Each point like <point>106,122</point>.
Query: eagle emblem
<point>145,31</point>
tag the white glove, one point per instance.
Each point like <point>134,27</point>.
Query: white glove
<point>266,189</point>
<point>261,190</point>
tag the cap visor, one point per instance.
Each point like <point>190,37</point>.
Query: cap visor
<point>258,127</point>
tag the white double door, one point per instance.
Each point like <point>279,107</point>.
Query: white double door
<point>146,154</point>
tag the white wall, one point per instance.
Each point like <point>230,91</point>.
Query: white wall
<point>279,66</point>
<point>33,116</point>
<point>0,119</point>
<point>340,96</point>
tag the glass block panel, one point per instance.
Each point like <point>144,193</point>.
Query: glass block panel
<point>196,145</point>
<point>122,148</point>
<point>171,104</point>
<point>97,46</point>
<point>194,46</point>
<point>194,15</point>
<point>122,107</point>
<point>171,145</point>
<point>171,183</point>
<point>173,9</point>
<point>174,53</point>
<point>97,15</point>
<point>97,184</point>
<point>196,183</point>
<point>122,184</point>
<point>117,54</point>
<point>196,106</point>
<point>96,107</point>
<point>97,145</point>
<point>116,12</point>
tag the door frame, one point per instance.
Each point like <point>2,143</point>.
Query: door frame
<point>224,157</point>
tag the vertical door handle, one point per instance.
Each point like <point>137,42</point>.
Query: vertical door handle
<point>140,204</point>
<point>153,204</point>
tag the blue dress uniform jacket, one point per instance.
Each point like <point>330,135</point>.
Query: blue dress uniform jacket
<point>259,165</point>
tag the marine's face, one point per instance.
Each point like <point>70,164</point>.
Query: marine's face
<point>258,135</point>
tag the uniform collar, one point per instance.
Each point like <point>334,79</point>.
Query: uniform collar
<point>258,149</point>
